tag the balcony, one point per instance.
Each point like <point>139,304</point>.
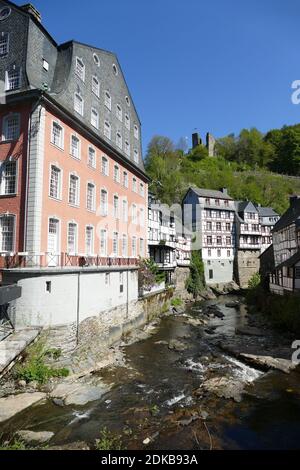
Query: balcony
<point>60,260</point>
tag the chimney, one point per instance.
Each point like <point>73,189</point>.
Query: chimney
<point>196,140</point>
<point>29,8</point>
<point>224,191</point>
<point>293,200</point>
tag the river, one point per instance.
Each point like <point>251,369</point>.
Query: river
<point>156,395</point>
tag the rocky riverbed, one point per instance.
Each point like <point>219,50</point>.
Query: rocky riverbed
<point>208,376</point>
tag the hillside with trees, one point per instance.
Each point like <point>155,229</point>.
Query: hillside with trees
<point>254,166</point>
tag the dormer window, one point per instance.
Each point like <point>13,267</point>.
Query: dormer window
<point>13,79</point>
<point>119,139</point>
<point>127,121</point>
<point>4,13</point>
<point>127,148</point>
<point>136,132</point>
<point>136,156</point>
<point>127,100</point>
<point>95,118</point>
<point>115,69</point>
<point>78,103</point>
<point>80,69</point>
<point>107,100</point>
<point>107,129</point>
<point>119,112</point>
<point>96,60</point>
<point>96,86</point>
<point>4,44</point>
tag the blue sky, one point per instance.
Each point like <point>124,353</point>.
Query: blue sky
<point>217,65</point>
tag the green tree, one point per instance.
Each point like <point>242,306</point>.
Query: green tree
<point>196,280</point>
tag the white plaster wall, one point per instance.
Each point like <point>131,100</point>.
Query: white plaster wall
<point>222,272</point>
<point>37,307</point>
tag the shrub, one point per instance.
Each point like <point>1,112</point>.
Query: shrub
<point>254,281</point>
<point>108,441</point>
<point>176,302</point>
<point>196,280</point>
<point>34,367</point>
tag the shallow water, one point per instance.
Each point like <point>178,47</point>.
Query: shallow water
<point>160,382</point>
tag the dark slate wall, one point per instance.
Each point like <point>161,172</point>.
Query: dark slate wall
<point>40,47</point>
<point>116,86</point>
<point>17,26</point>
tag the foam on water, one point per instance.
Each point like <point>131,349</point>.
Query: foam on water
<point>242,371</point>
<point>175,400</point>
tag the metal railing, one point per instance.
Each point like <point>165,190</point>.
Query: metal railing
<point>60,260</point>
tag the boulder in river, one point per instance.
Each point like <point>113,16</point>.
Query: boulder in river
<point>177,345</point>
<point>268,362</point>
<point>30,437</point>
<point>14,404</point>
<point>224,388</point>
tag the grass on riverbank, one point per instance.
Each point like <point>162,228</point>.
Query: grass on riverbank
<point>34,368</point>
<point>282,311</point>
<point>109,441</point>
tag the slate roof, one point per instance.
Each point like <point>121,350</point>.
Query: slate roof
<point>289,216</point>
<point>211,193</point>
<point>290,262</point>
<point>245,206</point>
<point>266,212</point>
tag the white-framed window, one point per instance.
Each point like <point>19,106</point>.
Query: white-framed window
<point>95,118</point>
<point>80,69</point>
<point>136,156</point>
<point>92,157</point>
<point>90,197</point>
<point>127,148</point>
<point>74,190</point>
<point>96,86</point>
<point>116,207</point>
<point>134,185</point>
<point>124,246</point>
<point>89,240</point>
<point>8,178</point>
<point>127,121</point>
<point>142,189</point>
<point>142,217</point>
<point>55,182</point>
<point>119,112</point>
<point>107,100</point>
<point>136,132</point>
<point>72,238</point>
<point>13,79</point>
<point>11,127</point>
<point>125,179</point>
<point>53,235</point>
<point>115,244</point>
<point>133,247</point>
<point>119,140</point>
<point>103,242</point>
<point>116,174</point>
<point>78,104</point>
<point>57,135</point>
<point>115,69</point>
<point>104,166</point>
<point>45,65</point>
<point>125,210</point>
<point>7,233</point>
<point>75,147</point>
<point>4,44</point>
<point>107,130</point>
<point>104,203</point>
<point>96,60</point>
<point>134,214</point>
<point>142,247</point>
